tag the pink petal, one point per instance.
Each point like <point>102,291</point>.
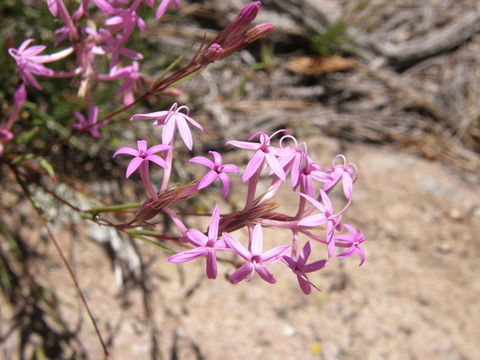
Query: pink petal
<point>211,267</point>
<point>193,122</point>
<point>168,132</point>
<point>31,80</point>
<point>244,144</point>
<point>185,132</point>
<point>307,249</point>
<point>349,252</point>
<point>149,116</point>
<point>256,246</point>
<point>33,50</point>
<point>243,272</point>
<point>326,201</point>
<point>131,54</point>
<point>157,148</point>
<point>133,166</point>
<point>317,265</point>
<point>253,165</point>
<point>265,274</point>
<point>217,158</point>
<point>347,185</point>
<point>187,255</point>
<point>313,221</point>
<point>290,262</point>
<point>236,246</point>
<point>304,285</point>
<point>114,20</point>
<point>157,160</point>
<point>275,253</point>
<point>207,179</point>
<point>225,183</point>
<point>123,150</point>
<point>142,145</point>
<point>196,237</point>
<point>275,166</point>
<point>230,168</point>
<point>162,9</point>
<point>213,228</point>
<point>315,203</point>
<point>202,161</point>
<point>361,254</point>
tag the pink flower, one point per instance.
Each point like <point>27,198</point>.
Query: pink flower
<point>326,217</point>
<point>301,268</point>
<point>115,46</point>
<point>171,120</point>
<point>90,121</point>
<point>346,173</point>
<point>264,152</point>
<point>162,8</point>
<point>206,246</point>
<point>311,171</point>
<point>256,260</point>
<point>29,63</point>
<point>352,242</point>
<point>132,80</point>
<point>126,20</point>
<point>217,170</point>
<point>141,157</point>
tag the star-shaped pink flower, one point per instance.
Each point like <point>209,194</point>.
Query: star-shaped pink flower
<point>352,242</point>
<point>301,268</point>
<point>141,156</point>
<point>171,120</point>
<point>206,246</point>
<point>256,258</point>
<point>29,62</point>
<point>264,152</point>
<point>217,170</point>
<point>326,217</point>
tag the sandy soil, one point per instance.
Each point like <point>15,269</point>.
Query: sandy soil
<point>414,298</point>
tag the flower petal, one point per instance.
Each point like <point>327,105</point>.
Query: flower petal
<point>317,265</point>
<point>187,255</point>
<point>213,228</point>
<point>133,166</point>
<point>157,160</point>
<point>242,273</point>
<point>203,161</point>
<point>184,131</point>
<point>236,246</point>
<point>265,274</point>
<point>196,237</point>
<point>253,165</point>
<point>244,144</point>
<point>207,179</point>
<point>256,241</point>
<point>275,253</point>
<point>211,266</point>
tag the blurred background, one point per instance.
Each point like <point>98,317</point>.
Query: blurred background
<point>391,84</point>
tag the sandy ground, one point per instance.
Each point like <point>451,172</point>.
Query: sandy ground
<point>414,298</point>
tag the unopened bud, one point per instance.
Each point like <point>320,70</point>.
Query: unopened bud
<point>211,54</point>
<point>239,23</point>
<point>258,32</point>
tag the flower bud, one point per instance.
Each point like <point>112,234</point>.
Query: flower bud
<point>258,32</point>
<point>239,23</point>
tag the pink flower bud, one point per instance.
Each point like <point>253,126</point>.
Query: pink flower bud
<point>258,32</point>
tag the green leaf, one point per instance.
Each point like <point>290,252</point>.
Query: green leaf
<point>26,136</point>
<point>151,242</point>
<point>113,208</point>
<point>46,166</point>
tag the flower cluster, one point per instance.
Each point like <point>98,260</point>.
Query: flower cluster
<point>314,224</point>
<point>88,41</point>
